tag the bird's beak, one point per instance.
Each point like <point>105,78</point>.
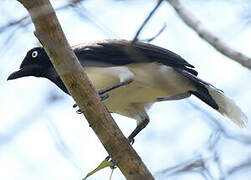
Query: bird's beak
<point>27,70</point>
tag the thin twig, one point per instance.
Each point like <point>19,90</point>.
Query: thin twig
<point>146,20</point>
<point>26,17</point>
<point>244,165</point>
<point>197,164</point>
<point>13,23</point>
<point>215,124</point>
<point>156,35</point>
<point>82,12</point>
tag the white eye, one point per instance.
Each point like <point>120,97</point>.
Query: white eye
<point>34,54</point>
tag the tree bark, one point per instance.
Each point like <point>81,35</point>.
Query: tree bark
<point>50,34</point>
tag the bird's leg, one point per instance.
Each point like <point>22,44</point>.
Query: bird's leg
<point>102,93</point>
<point>125,77</point>
<point>139,127</point>
<point>115,86</point>
<point>142,124</point>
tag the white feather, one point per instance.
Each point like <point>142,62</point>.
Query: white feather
<point>228,108</point>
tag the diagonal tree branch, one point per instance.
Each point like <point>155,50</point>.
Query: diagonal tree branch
<point>214,41</point>
<point>51,36</point>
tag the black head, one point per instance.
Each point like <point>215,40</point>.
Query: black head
<point>36,63</point>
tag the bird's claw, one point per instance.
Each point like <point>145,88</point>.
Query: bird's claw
<point>79,111</point>
<point>115,164</point>
<point>131,141</point>
<point>104,96</point>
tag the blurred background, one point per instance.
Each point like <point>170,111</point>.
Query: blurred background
<point>41,136</point>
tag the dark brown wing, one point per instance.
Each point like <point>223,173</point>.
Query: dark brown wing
<point>122,52</point>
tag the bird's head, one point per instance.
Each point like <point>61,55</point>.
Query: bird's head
<point>36,63</point>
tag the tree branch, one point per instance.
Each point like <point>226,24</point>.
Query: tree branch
<point>22,20</point>
<point>50,34</point>
<point>146,20</point>
<point>214,41</point>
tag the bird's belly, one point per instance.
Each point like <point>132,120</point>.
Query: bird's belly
<point>151,81</point>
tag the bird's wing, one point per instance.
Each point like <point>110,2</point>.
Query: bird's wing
<point>123,52</point>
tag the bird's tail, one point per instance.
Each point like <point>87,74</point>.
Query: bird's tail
<point>227,107</point>
<point>216,99</point>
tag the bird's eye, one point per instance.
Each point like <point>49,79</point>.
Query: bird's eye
<point>34,54</point>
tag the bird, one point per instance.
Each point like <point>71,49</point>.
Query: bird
<point>134,75</point>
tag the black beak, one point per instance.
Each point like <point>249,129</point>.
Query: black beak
<point>28,70</point>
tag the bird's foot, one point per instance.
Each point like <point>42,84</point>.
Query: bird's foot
<point>131,140</point>
<point>79,110</point>
<point>115,164</point>
<point>102,96</point>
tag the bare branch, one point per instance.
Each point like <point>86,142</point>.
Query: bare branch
<point>215,124</point>
<point>195,165</point>
<point>156,35</point>
<point>22,20</point>
<point>214,41</point>
<point>146,20</point>
<point>13,23</point>
<point>82,12</point>
<point>51,36</point>
<point>244,165</point>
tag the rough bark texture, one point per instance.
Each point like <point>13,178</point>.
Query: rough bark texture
<point>214,41</point>
<point>50,34</point>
